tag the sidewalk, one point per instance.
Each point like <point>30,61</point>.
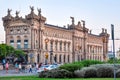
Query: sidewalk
<point>13,73</point>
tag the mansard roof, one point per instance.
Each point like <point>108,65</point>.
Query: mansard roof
<point>93,35</point>
<point>50,25</point>
<point>32,16</point>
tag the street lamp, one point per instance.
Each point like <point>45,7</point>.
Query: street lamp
<point>84,38</point>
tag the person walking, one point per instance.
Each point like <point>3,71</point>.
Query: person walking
<point>30,68</point>
<point>3,62</point>
<point>7,66</point>
<point>20,67</point>
<point>16,67</point>
<point>36,67</point>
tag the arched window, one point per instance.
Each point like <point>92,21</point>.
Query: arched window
<point>12,43</point>
<point>25,44</point>
<point>46,44</point>
<point>18,44</point>
<point>51,45</point>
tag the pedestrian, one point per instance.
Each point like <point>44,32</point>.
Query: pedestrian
<point>30,68</point>
<point>3,63</point>
<point>36,67</point>
<point>7,66</point>
<point>20,67</point>
<point>16,66</point>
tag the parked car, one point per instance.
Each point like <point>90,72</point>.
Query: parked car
<point>47,67</point>
<point>42,68</point>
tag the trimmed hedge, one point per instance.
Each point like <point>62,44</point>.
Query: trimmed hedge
<point>56,73</point>
<point>71,67</point>
<point>87,63</point>
<point>86,72</point>
<point>118,73</point>
<point>105,71</point>
<point>90,72</point>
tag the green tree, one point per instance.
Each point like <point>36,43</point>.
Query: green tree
<point>18,53</point>
<point>3,51</point>
<point>6,50</point>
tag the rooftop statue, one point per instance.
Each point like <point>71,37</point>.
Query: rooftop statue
<point>39,11</point>
<point>32,8</point>
<point>9,10</point>
<point>72,20</point>
<point>17,12</point>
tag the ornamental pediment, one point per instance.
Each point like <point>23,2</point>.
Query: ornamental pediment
<point>17,23</point>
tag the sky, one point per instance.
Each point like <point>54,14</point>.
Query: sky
<point>98,14</point>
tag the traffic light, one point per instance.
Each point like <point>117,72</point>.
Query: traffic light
<point>46,55</point>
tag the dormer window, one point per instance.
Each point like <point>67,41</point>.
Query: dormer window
<point>25,30</point>
<point>11,31</point>
<point>18,30</point>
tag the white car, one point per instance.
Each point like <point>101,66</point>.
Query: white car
<point>47,67</point>
<point>50,67</point>
<point>42,68</point>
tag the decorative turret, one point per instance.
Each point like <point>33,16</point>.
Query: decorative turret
<point>7,18</point>
<point>72,26</point>
<point>105,38</point>
<point>41,18</point>
<point>32,15</point>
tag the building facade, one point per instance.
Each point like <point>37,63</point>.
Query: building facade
<point>45,42</point>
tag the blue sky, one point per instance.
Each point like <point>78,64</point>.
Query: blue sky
<point>97,13</point>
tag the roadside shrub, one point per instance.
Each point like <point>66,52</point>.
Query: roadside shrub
<point>118,73</point>
<point>56,73</point>
<point>71,67</point>
<point>105,71</point>
<point>90,72</point>
<point>86,72</point>
<point>87,63</point>
<point>117,66</point>
<point>79,73</point>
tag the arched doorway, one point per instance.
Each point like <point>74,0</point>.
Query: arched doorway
<point>55,58</point>
<point>26,57</point>
<point>38,59</point>
<point>60,58</point>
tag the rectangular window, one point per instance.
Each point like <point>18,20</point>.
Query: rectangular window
<point>68,46</point>
<point>18,44</point>
<point>56,46</point>
<point>61,46</point>
<point>25,44</point>
<point>12,43</point>
<point>64,46</point>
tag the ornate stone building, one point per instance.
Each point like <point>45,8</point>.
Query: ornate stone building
<point>45,42</point>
